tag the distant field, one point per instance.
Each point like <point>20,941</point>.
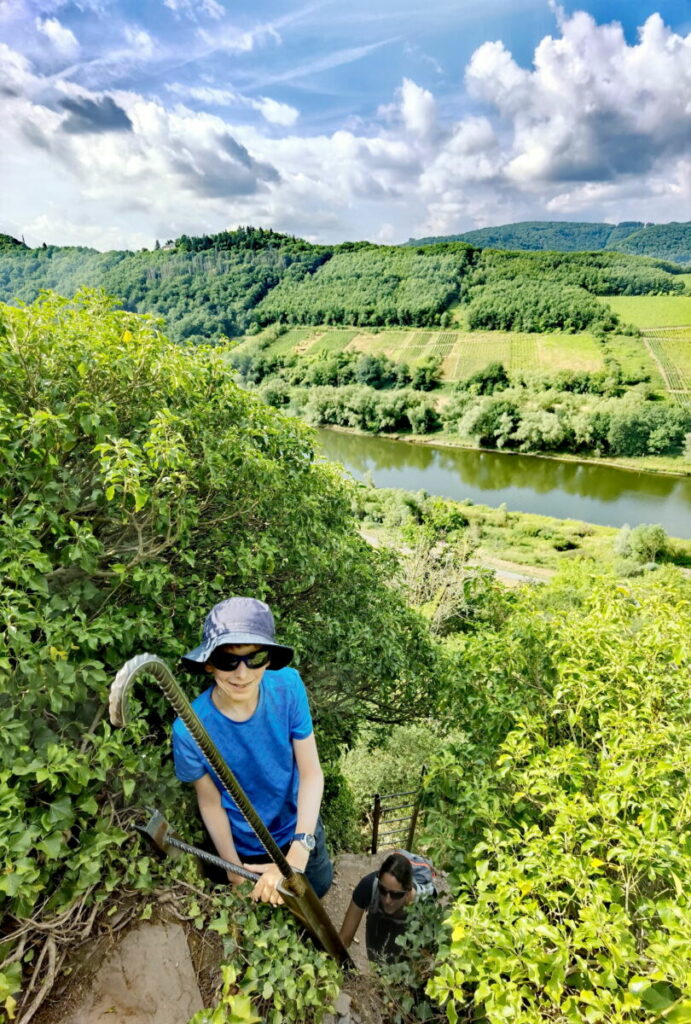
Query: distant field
<point>293,337</point>
<point>652,310</point>
<point>673,350</point>
<point>635,360</point>
<point>330,341</point>
<point>686,278</point>
<point>462,352</point>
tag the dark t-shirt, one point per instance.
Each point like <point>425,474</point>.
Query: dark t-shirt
<point>381,930</point>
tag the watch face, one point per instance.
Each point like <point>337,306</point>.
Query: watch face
<point>307,840</point>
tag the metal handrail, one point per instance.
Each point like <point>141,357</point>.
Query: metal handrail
<point>394,821</point>
<point>379,810</point>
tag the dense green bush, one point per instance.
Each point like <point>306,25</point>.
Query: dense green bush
<point>140,485</point>
<point>375,285</point>
<point>534,421</point>
<point>365,408</point>
<point>270,974</point>
<point>520,305</point>
<point>565,812</point>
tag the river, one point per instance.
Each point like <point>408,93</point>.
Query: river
<point>526,483</point>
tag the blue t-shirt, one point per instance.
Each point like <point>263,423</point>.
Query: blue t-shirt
<point>259,752</point>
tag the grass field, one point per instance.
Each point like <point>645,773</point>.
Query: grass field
<point>330,341</point>
<point>651,310</point>
<point>295,336</point>
<point>462,352</point>
<point>635,360</point>
<point>673,350</point>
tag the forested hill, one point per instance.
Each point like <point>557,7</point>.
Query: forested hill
<point>8,242</point>
<point>225,285</point>
<point>212,286</point>
<point>664,241</point>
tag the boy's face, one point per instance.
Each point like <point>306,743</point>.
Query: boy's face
<point>241,685</point>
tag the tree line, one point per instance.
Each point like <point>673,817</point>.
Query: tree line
<point>212,287</point>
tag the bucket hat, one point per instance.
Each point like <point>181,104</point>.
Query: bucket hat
<point>238,620</point>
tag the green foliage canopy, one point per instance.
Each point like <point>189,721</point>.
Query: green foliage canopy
<point>138,486</point>
<point>565,809</point>
<point>376,285</point>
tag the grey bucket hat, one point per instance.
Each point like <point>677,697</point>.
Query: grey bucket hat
<point>238,620</point>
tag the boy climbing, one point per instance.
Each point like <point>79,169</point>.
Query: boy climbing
<point>257,715</point>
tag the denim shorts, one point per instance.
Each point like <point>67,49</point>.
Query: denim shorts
<point>319,871</point>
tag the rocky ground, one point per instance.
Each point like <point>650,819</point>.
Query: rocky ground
<point>158,972</point>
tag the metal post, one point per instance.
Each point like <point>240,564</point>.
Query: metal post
<point>376,814</point>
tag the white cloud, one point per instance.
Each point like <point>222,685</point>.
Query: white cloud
<point>205,94</point>
<point>271,110</point>
<point>63,39</point>
<point>593,107</point>
<point>418,108</point>
<point>190,7</point>
<point>275,112</point>
<point>594,129</point>
<point>140,41</point>
<point>235,40</point>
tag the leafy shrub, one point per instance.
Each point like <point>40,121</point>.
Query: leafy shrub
<point>403,982</point>
<point>574,904</point>
<point>271,974</point>
<point>646,542</point>
<point>486,381</point>
<point>139,486</point>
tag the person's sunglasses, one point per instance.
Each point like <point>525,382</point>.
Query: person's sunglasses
<point>394,894</point>
<point>226,662</point>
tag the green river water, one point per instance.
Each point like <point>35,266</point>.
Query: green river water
<point>526,483</point>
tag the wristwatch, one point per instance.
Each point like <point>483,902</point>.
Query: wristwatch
<point>307,839</point>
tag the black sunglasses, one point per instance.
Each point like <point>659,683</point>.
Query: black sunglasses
<point>394,894</point>
<point>226,662</point>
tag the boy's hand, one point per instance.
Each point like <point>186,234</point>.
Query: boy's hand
<point>235,880</point>
<point>265,889</point>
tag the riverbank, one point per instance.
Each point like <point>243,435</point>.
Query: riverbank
<point>518,547</point>
<point>558,490</point>
<point>659,464</point>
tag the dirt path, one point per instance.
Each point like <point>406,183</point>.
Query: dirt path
<point>349,868</point>
<point>512,574</point>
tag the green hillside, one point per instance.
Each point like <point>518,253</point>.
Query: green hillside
<point>217,286</point>
<point>8,242</point>
<point>665,241</point>
<point>377,286</point>
<point>204,287</point>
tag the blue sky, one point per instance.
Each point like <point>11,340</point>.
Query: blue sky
<point>123,122</point>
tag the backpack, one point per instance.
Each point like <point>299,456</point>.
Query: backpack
<point>423,873</point>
